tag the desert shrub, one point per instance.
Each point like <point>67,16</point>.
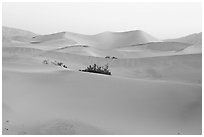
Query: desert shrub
<point>59,63</point>
<point>55,63</point>
<point>108,57</point>
<point>64,66</point>
<point>45,61</point>
<point>114,58</point>
<point>97,69</point>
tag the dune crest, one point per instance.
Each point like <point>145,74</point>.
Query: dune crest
<point>105,40</point>
<point>193,39</point>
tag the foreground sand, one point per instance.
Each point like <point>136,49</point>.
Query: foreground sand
<point>67,102</point>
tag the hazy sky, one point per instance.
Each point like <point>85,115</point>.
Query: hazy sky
<point>162,20</point>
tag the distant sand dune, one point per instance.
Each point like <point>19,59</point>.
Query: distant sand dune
<point>106,40</point>
<point>16,35</point>
<point>191,39</point>
<point>161,46</point>
<point>130,44</point>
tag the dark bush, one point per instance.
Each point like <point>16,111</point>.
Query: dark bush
<point>55,63</point>
<point>108,57</point>
<point>96,69</point>
<point>64,66</point>
<point>45,61</point>
<point>114,58</point>
<point>59,63</point>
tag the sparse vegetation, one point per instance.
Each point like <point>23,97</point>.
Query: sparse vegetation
<point>45,61</point>
<point>97,69</point>
<point>55,63</point>
<point>108,57</point>
<point>114,58</point>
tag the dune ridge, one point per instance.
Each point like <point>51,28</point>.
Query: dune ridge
<point>105,40</point>
<point>195,38</point>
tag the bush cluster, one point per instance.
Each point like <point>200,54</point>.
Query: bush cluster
<point>55,63</point>
<point>108,57</point>
<point>96,69</point>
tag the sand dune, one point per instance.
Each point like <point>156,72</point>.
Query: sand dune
<point>135,51</point>
<point>155,87</point>
<point>56,39</point>
<point>191,39</point>
<point>16,35</point>
<point>106,40</point>
<point>79,50</point>
<point>160,46</point>
<point>121,39</point>
<point>130,44</point>
<point>183,68</point>
<point>192,49</point>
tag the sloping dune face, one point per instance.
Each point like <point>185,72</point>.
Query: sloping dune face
<point>121,39</point>
<point>53,39</point>
<point>195,41</point>
<point>159,46</point>
<point>191,39</point>
<point>16,35</point>
<point>183,68</point>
